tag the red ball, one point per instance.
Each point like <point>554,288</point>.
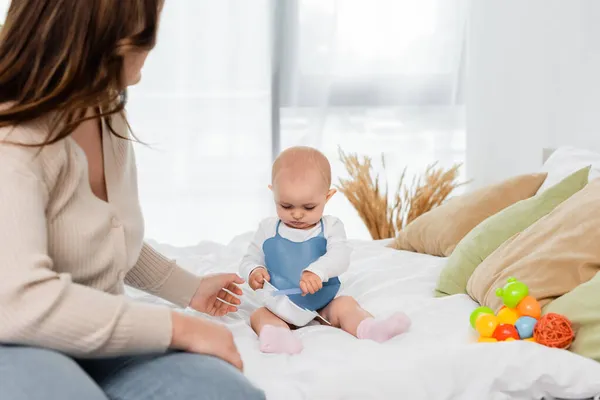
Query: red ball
<point>505,331</point>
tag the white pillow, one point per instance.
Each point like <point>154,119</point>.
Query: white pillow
<point>566,160</point>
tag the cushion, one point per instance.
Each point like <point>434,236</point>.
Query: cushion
<point>566,160</point>
<point>582,307</point>
<point>492,232</point>
<point>438,231</point>
<point>553,256</point>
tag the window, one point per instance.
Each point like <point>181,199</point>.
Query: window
<point>373,77</point>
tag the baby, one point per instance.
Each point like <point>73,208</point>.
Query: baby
<point>303,249</point>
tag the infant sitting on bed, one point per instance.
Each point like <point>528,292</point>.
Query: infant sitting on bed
<point>301,248</point>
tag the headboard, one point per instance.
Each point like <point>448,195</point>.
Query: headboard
<point>546,153</point>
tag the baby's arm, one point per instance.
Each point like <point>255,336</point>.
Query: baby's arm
<point>255,258</point>
<point>337,259</point>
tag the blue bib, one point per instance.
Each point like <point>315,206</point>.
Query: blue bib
<point>286,260</point>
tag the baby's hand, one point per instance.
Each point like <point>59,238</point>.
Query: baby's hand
<point>310,283</point>
<point>258,277</point>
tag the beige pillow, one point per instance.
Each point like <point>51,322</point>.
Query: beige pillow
<point>553,256</point>
<point>438,231</point>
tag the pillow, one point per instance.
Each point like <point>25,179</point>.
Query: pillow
<point>582,307</point>
<point>492,232</point>
<point>553,256</point>
<point>438,231</point>
<point>566,160</point>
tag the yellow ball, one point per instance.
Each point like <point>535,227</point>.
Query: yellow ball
<point>486,324</point>
<point>487,339</point>
<point>509,339</point>
<point>508,316</point>
<point>530,340</point>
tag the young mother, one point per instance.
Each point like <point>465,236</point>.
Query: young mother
<point>71,231</point>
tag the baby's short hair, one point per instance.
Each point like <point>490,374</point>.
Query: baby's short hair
<point>302,158</point>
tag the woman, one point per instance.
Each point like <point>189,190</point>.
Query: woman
<point>71,229</point>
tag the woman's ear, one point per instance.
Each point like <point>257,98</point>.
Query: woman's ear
<point>330,194</point>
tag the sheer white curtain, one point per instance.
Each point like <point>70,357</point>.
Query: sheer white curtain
<point>203,106</point>
<point>373,77</point>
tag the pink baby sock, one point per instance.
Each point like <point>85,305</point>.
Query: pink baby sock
<point>276,339</point>
<point>381,330</point>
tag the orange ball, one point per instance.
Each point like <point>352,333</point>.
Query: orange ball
<point>507,316</point>
<point>530,307</point>
<point>486,324</point>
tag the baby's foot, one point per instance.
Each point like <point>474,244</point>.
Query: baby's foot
<point>381,330</point>
<point>275,339</point>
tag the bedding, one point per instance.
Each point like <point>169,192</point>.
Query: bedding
<point>437,359</point>
<point>486,237</point>
<point>438,231</point>
<point>553,256</point>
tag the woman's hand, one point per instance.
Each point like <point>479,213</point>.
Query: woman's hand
<point>310,283</point>
<point>196,335</point>
<point>215,292</point>
<point>258,277</point>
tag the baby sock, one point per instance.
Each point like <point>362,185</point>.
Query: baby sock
<point>381,330</point>
<point>276,339</point>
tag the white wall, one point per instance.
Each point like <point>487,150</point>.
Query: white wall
<point>533,81</point>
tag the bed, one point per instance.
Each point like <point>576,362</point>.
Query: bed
<point>438,359</point>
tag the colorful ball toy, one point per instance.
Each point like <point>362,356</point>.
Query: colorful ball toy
<point>525,325</point>
<point>508,315</point>
<point>505,331</point>
<point>530,307</point>
<point>477,312</point>
<point>513,292</point>
<point>486,324</point>
<point>520,318</point>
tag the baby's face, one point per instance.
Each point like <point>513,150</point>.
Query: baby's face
<point>300,200</point>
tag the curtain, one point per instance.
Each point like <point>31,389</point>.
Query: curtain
<point>203,107</point>
<point>374,77</point>
<point>232,82</point>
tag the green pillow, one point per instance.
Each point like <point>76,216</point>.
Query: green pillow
<point>582,307</point>
<point>486,237</point>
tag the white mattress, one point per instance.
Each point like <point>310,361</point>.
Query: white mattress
<point>437,359</point>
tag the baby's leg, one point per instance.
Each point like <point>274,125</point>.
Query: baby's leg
<point>273,333</point>
<point>345,313</point>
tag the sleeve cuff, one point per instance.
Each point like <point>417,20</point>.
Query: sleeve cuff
<point>176,284</point>
<point>180,286</point>
<point>246,275</point>
<point>319,273</point>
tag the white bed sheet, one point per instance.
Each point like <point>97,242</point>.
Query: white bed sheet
<point>437,359</point>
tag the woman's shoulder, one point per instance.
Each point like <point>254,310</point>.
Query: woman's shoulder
<point>20,152</point>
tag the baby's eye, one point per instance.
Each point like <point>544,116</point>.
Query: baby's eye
<point>309,208</point>
<point>287,207</point>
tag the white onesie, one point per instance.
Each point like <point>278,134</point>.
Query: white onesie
<point>335,262</point>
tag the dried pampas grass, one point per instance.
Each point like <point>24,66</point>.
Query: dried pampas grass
<point>384,213</point>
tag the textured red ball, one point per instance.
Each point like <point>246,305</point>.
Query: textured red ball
<point>505,331</point>
<point>554,330</point>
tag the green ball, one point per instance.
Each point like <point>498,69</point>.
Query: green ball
<point>512,293</point>
<point>477,312</point>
